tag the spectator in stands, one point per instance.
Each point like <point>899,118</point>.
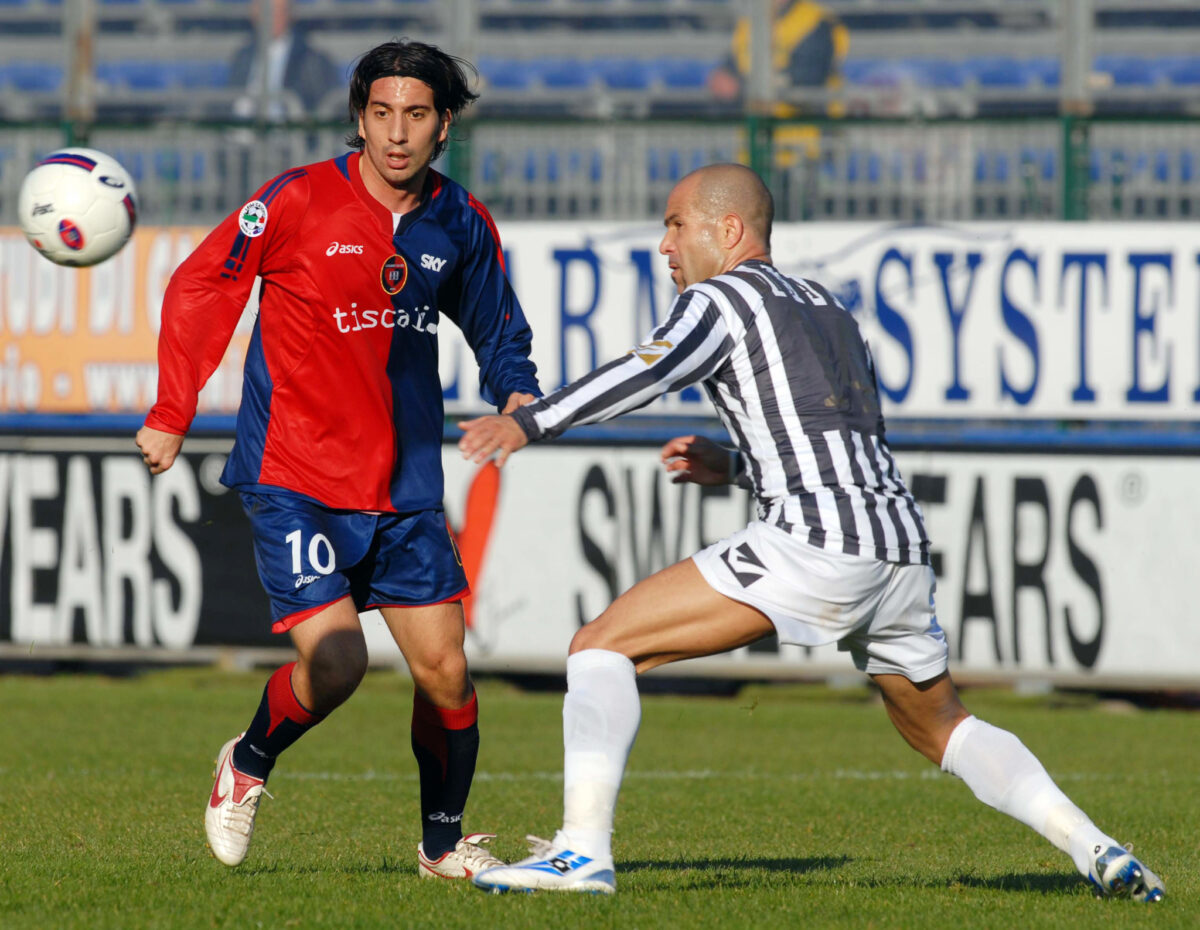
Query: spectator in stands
<point>808,46</point>
<point>298,76</point>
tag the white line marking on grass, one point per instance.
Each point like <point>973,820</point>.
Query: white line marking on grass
<point>834,775</point>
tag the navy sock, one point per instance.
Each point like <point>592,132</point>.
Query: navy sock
<point>446,744</point>
<point>280,720</point>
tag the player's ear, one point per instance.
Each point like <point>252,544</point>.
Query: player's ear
<point>732,230</point>
<point>447,119</point>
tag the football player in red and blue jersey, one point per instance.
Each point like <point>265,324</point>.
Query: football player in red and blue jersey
<point>338,451</point>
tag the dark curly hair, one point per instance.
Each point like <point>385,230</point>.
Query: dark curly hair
<point>446,74</point>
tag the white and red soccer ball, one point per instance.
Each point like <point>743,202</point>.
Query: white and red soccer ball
<point>77,206</point>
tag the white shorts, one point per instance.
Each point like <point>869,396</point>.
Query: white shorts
<point>880,612</point>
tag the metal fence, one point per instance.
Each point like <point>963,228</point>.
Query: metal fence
<point>917,171</point>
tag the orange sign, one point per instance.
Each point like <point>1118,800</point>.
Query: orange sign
<point>85,340</point>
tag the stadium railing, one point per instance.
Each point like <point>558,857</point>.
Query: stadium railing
<point>906,170</point>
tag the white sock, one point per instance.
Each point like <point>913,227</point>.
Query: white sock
<point>601,713</point>
<point>1005,775</point>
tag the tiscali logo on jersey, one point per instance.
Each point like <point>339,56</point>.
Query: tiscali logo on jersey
<point>343,248</point>
<point>394,274</point>
<point>356,319</point>
<point>652,351</point>
<point>252,218</point>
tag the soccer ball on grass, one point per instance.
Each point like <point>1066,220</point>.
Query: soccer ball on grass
<point>77,207</point>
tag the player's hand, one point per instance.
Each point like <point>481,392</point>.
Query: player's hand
<point>696,459</point>
<point>517,399</point>
<point>498,436</point>
<point>159,449</point>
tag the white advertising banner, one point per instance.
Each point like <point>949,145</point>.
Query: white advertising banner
<point>1061,567</point>
<point>1037,321</point>
<point>973,321</point>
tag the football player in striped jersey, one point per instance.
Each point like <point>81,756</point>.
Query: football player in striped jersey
<point>838,553</point>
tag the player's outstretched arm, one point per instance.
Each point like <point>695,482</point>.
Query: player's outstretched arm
<point>159,449</point>
<point>492,435</point>
<point>698,460</point>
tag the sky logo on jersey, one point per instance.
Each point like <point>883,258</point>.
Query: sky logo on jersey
<point>343,248</point>
<point>432,262</point>
<point>252,218</point>
<point>653,351</point>
<point>394,274</point>
<point>71,235</point>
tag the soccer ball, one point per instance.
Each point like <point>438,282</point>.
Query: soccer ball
<point>77,207</point>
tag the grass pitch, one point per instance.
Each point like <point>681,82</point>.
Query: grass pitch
<point>781,806</point>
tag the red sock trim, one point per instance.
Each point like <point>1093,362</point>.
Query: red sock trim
<point>282,702</point>
<point>445,718</point>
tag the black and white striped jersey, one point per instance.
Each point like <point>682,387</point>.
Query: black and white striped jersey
<point>793,381</point>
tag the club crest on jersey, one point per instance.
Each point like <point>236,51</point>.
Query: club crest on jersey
<point>653,351</point>
<point>252,218</point>
<point>394,274</point>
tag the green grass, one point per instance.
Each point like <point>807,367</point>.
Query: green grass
<point>783,806</point>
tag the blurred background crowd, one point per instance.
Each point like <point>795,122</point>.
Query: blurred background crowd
<point>594,107</point>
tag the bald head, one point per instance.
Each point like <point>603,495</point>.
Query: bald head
<point>717,217</point>
<point>719,190</point>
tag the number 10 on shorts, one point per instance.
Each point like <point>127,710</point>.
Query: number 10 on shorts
<point>320,552</point>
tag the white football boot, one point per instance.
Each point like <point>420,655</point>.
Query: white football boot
<point>552,867</point>
<point>466,860</point>
<point>1117,873</point>
<point>229,817</point>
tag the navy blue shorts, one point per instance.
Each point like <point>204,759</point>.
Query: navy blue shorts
<point>310,557</point>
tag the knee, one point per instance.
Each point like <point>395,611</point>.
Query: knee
<point>590,636</point>
<point>442,678</point>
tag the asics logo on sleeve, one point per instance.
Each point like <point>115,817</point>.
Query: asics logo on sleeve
<point>432,262</point>
<point>343,248</point>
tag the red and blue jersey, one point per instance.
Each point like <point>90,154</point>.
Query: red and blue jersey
<point>341,399</point>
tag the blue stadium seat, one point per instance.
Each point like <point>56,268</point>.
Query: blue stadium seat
<point>1162,166</point>
<point>1046,71</point>
<point>991,166</point>
<point>136,75</point>
<point>201,74</point>
<point>624,73</point>
<point>684,74</point>
<point>883,72</point>
<point>1000,72</point>
<point>34,76</point>
<point>1183,70</point>
<point>864,165</point>
<point>1127,71</point>
<point>565,74</point>
<point>507,74</point>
